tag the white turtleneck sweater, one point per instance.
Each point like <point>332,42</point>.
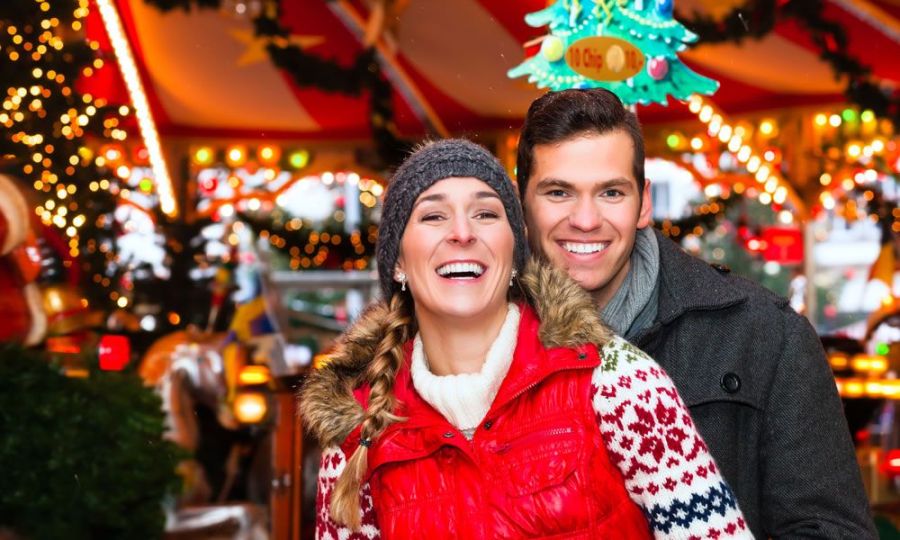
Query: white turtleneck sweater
<point>464,399</point>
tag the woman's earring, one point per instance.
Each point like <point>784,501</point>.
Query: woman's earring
<point>400,277</point>
<point>513,276</point>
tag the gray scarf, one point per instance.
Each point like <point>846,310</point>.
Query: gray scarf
<point>634,305</point>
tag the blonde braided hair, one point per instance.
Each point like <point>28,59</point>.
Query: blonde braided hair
<point>381,374</point>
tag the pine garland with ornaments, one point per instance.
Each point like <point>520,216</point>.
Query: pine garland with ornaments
<point>363,76</point>
<point>629,47</point>
<point>757,18</point>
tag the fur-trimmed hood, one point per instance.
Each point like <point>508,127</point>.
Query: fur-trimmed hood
<point>568,316</point>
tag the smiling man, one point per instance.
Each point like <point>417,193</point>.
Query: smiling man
<point>751,370</point>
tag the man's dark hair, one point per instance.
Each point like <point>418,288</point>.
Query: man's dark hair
<point>558,116</point>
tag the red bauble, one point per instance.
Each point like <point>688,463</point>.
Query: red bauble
<point>114,352</point>
<point>209,185</point>
<point>658,68</point>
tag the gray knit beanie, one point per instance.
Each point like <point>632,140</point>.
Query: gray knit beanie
<point>431,162</point>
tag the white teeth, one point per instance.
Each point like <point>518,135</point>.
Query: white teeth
<point>461,268</point>
<point>574,247</point>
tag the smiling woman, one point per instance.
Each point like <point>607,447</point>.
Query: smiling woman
<point>458,245</point>
<point>480,406</point>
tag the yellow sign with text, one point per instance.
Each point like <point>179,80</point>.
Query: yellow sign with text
<point>604,58</point>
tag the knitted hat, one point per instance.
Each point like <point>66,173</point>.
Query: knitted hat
<point>431,162</point>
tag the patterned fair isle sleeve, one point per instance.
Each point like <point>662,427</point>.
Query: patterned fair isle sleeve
<point>333,462</point>
<point>651,438</point>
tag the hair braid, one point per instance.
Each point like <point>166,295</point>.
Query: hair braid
<point>382,372</point>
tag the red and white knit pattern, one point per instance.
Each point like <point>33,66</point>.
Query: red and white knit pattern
<point>649,435</point>
<point>651,438</point>
<point>333,463</point>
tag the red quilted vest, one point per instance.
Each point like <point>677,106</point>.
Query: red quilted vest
<point>535,467</point>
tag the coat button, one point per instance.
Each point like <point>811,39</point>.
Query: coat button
<point>582,355</point>
<point>488,424</point>
<point>730,382</point>
<point>448,435</point>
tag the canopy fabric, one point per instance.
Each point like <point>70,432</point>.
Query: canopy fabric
<point>206,75</point>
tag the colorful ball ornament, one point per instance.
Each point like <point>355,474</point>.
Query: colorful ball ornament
<point>615,58</point>
<point>66,310</point>
<point>658,68</point>
<point>552,48</point>
<point>665,8</point>
<point>209,185</point>
<point>146,184</point>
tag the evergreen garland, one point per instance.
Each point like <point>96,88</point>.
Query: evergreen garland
<point>309,70</point>
<point>757,18</point>
<point>754,19</point>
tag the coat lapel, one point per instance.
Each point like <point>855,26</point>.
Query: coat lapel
<point>687,284</point>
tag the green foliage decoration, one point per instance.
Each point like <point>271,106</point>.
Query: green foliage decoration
<point>83,458</point>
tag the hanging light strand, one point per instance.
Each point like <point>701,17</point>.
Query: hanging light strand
<point>128,67</point>
<point>776,188</point>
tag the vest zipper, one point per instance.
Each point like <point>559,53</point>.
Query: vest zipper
<point>555,432</point>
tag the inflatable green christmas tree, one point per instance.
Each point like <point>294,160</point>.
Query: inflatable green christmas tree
<point>627,46</point>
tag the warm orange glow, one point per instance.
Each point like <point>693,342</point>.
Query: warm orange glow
<point>250,407</point>
<point>236,155</point>
<point>269,154</point>
<point>204,155</point>
<point>839,361</point>
<point>147,126</point>
<point>251,375</point>
<point>869,388</point>
<point>852,388</point>
<point>890,388</point>
<point>767,127</point>
<point>872,364</point>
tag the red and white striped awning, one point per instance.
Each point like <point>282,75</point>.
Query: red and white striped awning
<point>205,75</point>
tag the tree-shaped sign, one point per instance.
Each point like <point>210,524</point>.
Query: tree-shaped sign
<point>627,46</point>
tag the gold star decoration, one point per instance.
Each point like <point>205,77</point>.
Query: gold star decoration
<point>256,45</point>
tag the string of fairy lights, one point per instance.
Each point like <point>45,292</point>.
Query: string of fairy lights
<point>851,156</point>
<point>274,200</point>
<point>70,145</point>
<point>128,68</point>
<point>55,170</point>
<point>759,164</point>
<point>853,149</point>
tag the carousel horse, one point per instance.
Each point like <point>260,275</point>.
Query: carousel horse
<point>189,374</point>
